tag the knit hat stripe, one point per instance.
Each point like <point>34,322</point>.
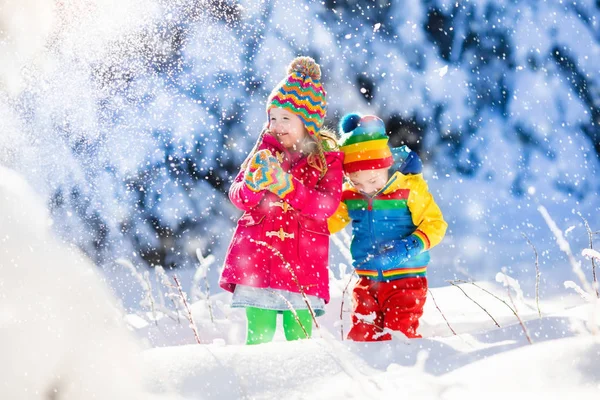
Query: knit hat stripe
<point>305,86</point>
<point>365,146</point>
<point>368,164</point>
<point>304,96</point>
<point>367,155</point>
<point>307,106</point>
<point>359,137</point>
<point>307,113</point>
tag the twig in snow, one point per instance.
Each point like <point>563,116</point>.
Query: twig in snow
<point>294,277</point>
<point>479,305</point>
<point>342,305</point>
<point>202,273</point>
<point>144,281</point>
<point>293,310</point>
<point>516,312</point>
<point>488,292</point>
<point>564,246</point>
<point>163,280</point>
<point>189,312</point>
<point>344,246</point>
<point>161,295</point>
<point>443,316</point>
<point>146,276</point>
<point>572,285</point>
<point>537,275</point>
<point>590,234</point>
<point>575,265</point>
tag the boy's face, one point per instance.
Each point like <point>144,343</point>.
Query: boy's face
<point>369,181</point>
<point>287,127</point>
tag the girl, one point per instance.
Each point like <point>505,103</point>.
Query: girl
<point>287,187</point>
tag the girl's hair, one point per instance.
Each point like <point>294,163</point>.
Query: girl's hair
<point>326,142</point>
<point>316,148</point>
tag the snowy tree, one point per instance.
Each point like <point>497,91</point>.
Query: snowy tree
<point>134,126</point>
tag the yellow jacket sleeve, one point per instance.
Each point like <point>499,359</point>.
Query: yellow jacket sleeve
<point>339,219</point>
<point>426,215</point>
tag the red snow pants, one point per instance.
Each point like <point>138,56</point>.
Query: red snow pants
<point>395,305</point>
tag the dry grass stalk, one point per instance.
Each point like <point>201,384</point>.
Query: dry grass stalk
<point>537,275</point>
<point>488,292</point>
<point>342,304</point>
<point>590,236</point>
<point>575,266</point>
<point>294,277</point>
<point>479,305</point>
<point>443,316</point>
<point>293,310</point>
<point>144,281</point>
<point>566,248</point>
<point>187,307</point>
<point>205,264</point>
<point>163,279</point>
<point>517,313</point>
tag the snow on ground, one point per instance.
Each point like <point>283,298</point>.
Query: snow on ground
<point>66,338</point>
<point>62,335</point>
<point>481,359</point>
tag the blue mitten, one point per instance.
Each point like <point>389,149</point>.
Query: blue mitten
<point>397,252</point>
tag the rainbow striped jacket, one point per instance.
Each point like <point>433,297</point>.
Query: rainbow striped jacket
<point>403,207</point>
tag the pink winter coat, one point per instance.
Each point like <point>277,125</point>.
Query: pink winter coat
<point>296,227</point>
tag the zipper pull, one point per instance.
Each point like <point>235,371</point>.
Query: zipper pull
<point>370,203</point>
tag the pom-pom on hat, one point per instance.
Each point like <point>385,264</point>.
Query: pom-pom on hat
<point>364,143</point>
<point>301,92</point>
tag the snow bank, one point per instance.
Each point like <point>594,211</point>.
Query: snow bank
<point>558,369</point>
<point>61,334</point>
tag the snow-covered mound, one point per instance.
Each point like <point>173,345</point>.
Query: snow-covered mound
<point>61,334</point>
<point>557,369</point>
<point>329,369</point>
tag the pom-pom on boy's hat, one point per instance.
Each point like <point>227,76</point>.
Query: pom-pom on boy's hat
<point>364,143</point>
<point>302,93</point>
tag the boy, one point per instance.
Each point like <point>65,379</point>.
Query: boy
<point>395,221</point>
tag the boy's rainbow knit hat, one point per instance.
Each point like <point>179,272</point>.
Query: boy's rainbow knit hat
<point>364,143</point>
<point>302,93</point>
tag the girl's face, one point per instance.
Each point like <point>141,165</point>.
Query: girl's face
<point>369,181</point>
<point>287,127</point>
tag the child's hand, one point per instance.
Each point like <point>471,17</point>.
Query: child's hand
<point>389,259</point>
<point>274,179</point>
<point>397,252</point>
<point>403,248</point>
<point>261,158</point>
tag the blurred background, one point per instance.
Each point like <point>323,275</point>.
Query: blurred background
<point>131,117</point>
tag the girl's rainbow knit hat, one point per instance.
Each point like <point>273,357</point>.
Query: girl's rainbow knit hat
<point>364,143</point>
<point>302,93</point>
